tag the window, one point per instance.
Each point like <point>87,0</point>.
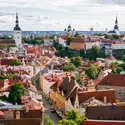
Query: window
<point>108,82</point>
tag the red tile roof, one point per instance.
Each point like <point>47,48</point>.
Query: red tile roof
<point>6,61</point>
<point>46,37</point>
<point>111,57</point>
<point>7,41</point>
<point>1,83</point>
<point>77,41</point>
<point>64,37</point>
<point>58,77</point>
<point>113,80</point>
<point>109,94</point>
<point>103,122</point>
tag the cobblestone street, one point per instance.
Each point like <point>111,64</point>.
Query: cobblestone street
<point>53,116</point>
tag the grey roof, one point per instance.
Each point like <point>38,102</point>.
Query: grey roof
<point>112,31</point>
<point>17,28</point>
<point>12,107</point>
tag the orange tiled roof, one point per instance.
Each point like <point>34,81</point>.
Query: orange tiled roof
<point>7,41</point>
<point>113,80</point>
<point>58,77</point>
<point>109,94</point>
<point>77,41</point>
<point>111,57</point>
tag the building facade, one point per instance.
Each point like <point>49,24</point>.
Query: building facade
<point>17,32</point>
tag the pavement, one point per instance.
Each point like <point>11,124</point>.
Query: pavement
<point>47,107</point>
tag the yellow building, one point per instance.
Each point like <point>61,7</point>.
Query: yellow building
<point>60,101</point>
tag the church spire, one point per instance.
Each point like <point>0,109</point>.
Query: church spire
<point>17,32</point>
<point>116,21</point>
<point>17,23</point>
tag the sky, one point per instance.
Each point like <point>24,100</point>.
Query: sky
<point>55,15</point>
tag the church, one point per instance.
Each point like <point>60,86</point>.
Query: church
<point>69,30</point>
<point>115,30</point>
<point>17,32</point>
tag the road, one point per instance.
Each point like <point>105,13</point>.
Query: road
<point>53,116</point>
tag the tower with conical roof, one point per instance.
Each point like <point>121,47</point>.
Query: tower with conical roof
<point>116,24</point>
<point>69,28</point>
<point>17,32</point>
<point>116,28</point>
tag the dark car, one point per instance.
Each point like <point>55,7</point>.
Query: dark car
<point>52,109</point>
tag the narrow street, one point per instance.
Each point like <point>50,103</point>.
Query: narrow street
<point>53,116</point>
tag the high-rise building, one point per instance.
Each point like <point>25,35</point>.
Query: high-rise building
<point>91,31</point>
<point>17,32</point>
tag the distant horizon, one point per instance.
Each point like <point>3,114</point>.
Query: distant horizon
<point>56,15</point>
<point>55,31</point>
<point>50,33</point>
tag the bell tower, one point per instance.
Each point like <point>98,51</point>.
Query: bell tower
<point>17,32</point>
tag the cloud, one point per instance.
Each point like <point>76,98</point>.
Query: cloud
<point>109,2</point>
<point>56,14</point>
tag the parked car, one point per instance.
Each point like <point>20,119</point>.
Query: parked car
<point>52,109</point>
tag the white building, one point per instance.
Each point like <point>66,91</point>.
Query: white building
<point>116,29</point>
<point>17,32</point>
<point>69,30</point>
<point>90,45</point>
<point>62,41</point>
<point>118,46</point>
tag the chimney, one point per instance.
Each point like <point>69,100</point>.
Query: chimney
<point>27,109</point>
<point>17,114</point>
<point>105,100</point>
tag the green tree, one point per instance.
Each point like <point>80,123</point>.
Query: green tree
<point>3,98</point>
<point>95,51</point>
<point>38,42</point>
<point>114,65</point>
<point>116,36</point>
<point>69,67</point>
<point>122,65</point>
<point>123,58</point>
<point>16,92</point>
<point>67,122</point>
<point>106,36</point>
<point>16,62</point>
<point>34,40</point>
<point>73,115</point>
<point>119,70</point>
<point>82,53</point>
<point>69,40</point>
<point>47,120</point>
<point>79,81</point>
<point>92,72</point>
<point>77,61</point>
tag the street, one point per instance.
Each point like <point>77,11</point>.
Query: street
<point>53,116</point>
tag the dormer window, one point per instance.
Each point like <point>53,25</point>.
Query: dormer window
<point>108,82</point>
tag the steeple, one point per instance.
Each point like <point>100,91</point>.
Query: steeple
<point>69,26</point>
<point>116,23</point>
<point>17,32</point>
<point>17,23</point>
